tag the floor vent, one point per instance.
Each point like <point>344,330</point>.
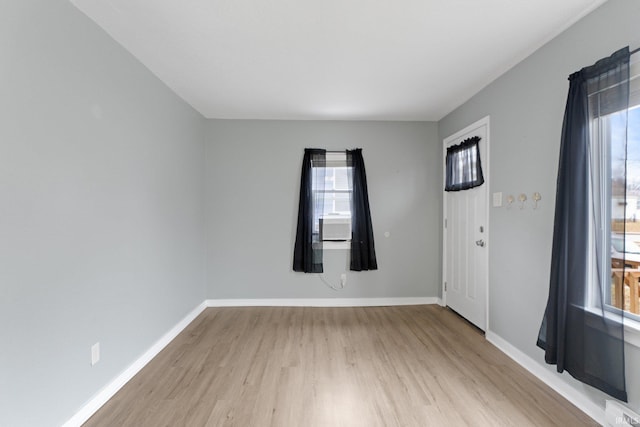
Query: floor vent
<point>618,415</point>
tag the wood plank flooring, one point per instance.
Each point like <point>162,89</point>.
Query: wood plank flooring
<point>363,366</point>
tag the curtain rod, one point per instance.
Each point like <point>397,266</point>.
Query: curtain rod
<point>634,51</point>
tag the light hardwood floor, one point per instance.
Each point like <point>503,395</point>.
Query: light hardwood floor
<point>364,366</point>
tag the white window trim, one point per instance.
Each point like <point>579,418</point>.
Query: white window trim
<point>336,245</point>
<point>631,326</point>
<point>632,332</point>
<point>340,158</point>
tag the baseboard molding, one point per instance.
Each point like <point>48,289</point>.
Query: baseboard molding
<point>112,388</point>
<point>321,302</point>
<point>549,378</point>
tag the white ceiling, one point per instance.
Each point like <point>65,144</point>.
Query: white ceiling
<point>331,59</point>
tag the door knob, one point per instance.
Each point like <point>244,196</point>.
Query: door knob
<point>480,243</point>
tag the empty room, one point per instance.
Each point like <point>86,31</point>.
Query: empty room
<point>330,213</point>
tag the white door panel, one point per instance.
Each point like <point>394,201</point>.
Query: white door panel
<point>465,238</point>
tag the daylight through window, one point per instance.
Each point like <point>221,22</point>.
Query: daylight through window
<point>333,201</point>
<point>615,167</point>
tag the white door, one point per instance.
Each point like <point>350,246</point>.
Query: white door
<point>465,237</point>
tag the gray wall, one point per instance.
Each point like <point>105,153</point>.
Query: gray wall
<point>103,197</point>
<point>101,210</point>
<point>253,180</point>
<point>526,106</point>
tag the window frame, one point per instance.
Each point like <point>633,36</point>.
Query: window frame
<point>335,190</point>
<point>630,320</point>
<point>333,160</point>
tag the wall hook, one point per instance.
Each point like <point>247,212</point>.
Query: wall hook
<point>523,198</point>
<point>536,198</point>
<point>510,200</point>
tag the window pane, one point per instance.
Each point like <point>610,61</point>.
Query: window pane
<point>463,166</point>
<point>333,202</point>
<point>329,179</point>
<point>621,131</point>
<point>342,203</point>
<point>342,178</point>
<point>328,203</point>
<point>335,199</point>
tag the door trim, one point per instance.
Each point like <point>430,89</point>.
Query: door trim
<point>485,121</point>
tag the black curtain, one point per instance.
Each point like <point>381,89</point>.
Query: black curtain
<point>585,338</point>
<point>307,252</point>
<point>463,166</point>
<point>363,252</point>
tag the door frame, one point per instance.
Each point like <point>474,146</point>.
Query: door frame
<point>485,121</point>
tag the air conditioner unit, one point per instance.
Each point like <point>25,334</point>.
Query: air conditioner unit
<point>619,415</point>
<point>335,229</point>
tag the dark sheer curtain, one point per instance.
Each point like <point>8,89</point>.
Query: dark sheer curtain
<point>463,166</point>
<point>581,333</point>
<point>363,252</point>
<point>307,252</point>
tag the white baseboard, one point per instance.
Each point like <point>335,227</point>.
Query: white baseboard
<point>551,379</point>
<point>112,388</point>
<point>321,302</point>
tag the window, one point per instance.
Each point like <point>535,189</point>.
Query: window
<point>464,170</point>
<point>615,167</point>
<point>322,225</point>
<point>333,200</point>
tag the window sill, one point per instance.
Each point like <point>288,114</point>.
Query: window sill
<point>632,332</point>
<point>631,328</point>
<point>336,245</point>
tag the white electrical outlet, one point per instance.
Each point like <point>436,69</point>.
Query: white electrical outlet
<point>95,353</point>
<point>343,279</point>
